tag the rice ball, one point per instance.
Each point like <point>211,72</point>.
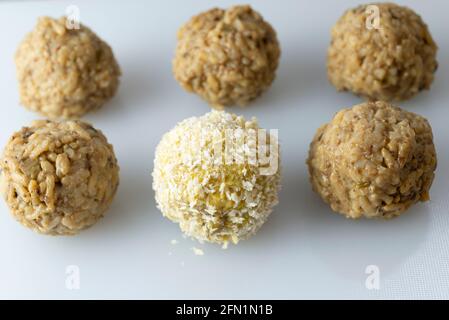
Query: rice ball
<point>373,160</point>
<point>392,58</point>
<point>210,178</point>
<point>65,73</point>
<point>58,178</point>
<point>228,57</point>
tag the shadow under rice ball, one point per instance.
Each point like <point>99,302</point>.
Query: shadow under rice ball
<point>373,160</point>
<point>65,73</point>
<point>391,58</point>
<point>58,178</point>
<point>228,57</point>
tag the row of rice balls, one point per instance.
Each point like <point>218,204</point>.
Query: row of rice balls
<point>372,160</point>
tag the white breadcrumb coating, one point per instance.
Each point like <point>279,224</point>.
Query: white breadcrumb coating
<point>215,202</point>
<point>198,251</point>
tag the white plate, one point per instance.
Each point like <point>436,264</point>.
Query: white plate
<point>303,251</point>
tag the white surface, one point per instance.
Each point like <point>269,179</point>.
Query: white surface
<point>303,251</point>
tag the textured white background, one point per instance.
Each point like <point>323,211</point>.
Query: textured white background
<point>303,251</point>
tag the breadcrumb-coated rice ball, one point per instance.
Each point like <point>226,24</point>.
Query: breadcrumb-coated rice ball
<point>58,178</point>
<point>228,57</point>
<point>214,199</point>
<point>373,160</point>
<point>390,61</point>
<point>65,73</point>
